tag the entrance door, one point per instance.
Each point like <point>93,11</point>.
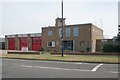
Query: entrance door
<point>68,45</point>
<point>36,43</point>
<point>22,42</point>
<point>11,44</point>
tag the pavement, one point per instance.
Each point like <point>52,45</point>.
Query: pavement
<point>19,68</point>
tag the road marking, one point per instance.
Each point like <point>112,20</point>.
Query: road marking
<point>49,68</point>
<point>96,67</point>
<point>83,63</point>
<point>114,72</point>
<point>53,68</point>
<point>111,72</point>
<point>78,63</point>
<point>25,66</point>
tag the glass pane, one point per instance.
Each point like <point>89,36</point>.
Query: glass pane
<point>75,31</point>
<point>49,33</point>
<point>67,31</point>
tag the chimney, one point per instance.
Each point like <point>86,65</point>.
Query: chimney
<point>59,22</point>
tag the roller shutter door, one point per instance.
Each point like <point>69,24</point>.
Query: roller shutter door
<point>11,43</point>
<point>22,42</point>
<point>36,43</point>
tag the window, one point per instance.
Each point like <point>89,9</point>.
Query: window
<point>49,33</point>
<point>51,44</point>
<point>60,32</point>
<point>76,31</point>
<point>67,31</point>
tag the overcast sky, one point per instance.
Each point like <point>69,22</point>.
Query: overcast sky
<point>23,16</point>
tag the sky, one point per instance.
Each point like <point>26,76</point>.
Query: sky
<point>119,13</point>
<point>29,16</point>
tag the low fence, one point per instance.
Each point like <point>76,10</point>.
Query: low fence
<point>85,53</point>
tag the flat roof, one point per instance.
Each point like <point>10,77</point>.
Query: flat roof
<point>22,34</point>
<point>72,25</point>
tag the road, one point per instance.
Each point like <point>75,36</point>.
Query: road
<point>18,68</point>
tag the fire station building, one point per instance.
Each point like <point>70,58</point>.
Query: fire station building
<point>77,37</point>
<point>17,41</point>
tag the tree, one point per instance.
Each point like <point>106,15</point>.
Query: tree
<point>116,39</point>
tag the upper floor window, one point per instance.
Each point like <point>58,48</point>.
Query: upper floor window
<point>67,31</point>
<point>49,33</point>
<point>76,31</point>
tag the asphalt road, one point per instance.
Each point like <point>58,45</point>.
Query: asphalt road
<point>18,68</point>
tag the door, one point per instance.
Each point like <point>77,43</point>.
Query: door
<point>36,43</point>
<point>11,43</point>
<point>68,45</point>
<point>22,42</point>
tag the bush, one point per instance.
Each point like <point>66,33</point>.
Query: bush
<point>87,49</point>
<point>116,48</point>
<point>67,50</point>
<point>41,50</point>
<point>110,48</point>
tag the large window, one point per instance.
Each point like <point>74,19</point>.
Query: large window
<point>76,31</point>
<point>67,31</point>
<point>51,44</point>
<point>49,33</point>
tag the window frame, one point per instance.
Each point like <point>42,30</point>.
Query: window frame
<point>50,33</point>
<point>75,31</point>
<point>68,30</point>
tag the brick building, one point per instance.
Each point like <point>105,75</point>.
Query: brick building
<point>17,41</point>
<point>78,37</point>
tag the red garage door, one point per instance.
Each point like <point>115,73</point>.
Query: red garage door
<point>22,42</point>
<point>36,43</point>
<point>11,43</point>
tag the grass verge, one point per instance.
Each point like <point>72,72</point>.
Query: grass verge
<point>47,56</point>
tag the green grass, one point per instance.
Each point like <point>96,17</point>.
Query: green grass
<point>47,56</point>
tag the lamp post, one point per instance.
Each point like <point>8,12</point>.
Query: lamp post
<point>62,32</point>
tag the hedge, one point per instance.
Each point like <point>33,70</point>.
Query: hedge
<point>111,48</point>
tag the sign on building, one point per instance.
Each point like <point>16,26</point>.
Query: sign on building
<point>24,49</point>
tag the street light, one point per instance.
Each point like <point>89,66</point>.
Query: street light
<point>62,32</point>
